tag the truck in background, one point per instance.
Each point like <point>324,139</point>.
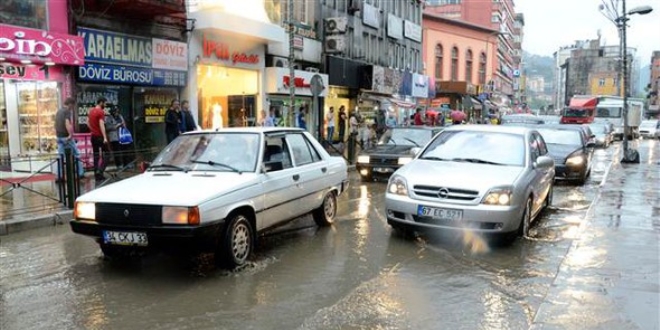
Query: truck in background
<point>611,109</point>
<point>581,110</point>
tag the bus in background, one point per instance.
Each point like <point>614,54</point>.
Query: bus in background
<point>611,109</point>
<point>581,110</point>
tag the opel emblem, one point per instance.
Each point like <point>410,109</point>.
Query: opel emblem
<point>443,193</point>
<point>126,213</point>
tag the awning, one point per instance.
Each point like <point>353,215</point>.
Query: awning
<point>403,104</point>
<point>471,102</point>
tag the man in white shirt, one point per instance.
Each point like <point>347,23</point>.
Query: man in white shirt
<point>330,122</point>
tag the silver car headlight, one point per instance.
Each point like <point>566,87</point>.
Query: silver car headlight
<point>498,196</point>
<point>397,186</point>
<point>404,160</point>
<point>179,215</point>
<point>84,210</point>
<point>363,159</point>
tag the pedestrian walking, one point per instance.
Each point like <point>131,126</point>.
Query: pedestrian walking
<point>187,119</point>
<point>330,124</point>
<point>270,119</point>
<point>342,123</point>
<point>172,121</point>
<point>418,120</point>
<point>64,133</point>
<point>302,122</point>
<point>113,122</point>
<point>100,146</point>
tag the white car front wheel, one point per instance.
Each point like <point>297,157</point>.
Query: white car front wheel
<point>238,242</point>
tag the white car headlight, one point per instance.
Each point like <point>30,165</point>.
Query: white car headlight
<point>398,186</point>
<point>178,215</point>
<point>84,210</point>
<point>575,160</point>
<point>499,196</point>
<point>363,159</point>
<point>404,160</point>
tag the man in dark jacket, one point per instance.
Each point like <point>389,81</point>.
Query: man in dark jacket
<point>172,121</point>
<point>187,117</point>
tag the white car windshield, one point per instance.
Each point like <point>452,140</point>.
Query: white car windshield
<point>228,151</point>
<point>565,137</point>
<point>649,124</point>
<point>406,136</point>
<point>477,147</point>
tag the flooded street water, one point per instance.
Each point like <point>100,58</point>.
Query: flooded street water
<point>357,274</point>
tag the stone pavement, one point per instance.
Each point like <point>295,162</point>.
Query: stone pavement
<point>610,278</point>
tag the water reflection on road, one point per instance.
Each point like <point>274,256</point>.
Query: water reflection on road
<point>356,274</point>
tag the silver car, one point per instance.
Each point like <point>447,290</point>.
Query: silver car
<point>481,178</point>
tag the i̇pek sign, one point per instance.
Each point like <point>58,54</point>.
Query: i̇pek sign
<point>40,46</point>
<point>220,48</point>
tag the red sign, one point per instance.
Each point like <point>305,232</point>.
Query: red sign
<point>299,82</point>
<point>40,46</point>
<point>221,51</point>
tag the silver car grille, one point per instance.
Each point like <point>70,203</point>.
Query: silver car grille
<point>445,193</point>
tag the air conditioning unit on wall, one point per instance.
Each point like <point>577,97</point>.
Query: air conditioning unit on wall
<point>279,62</point>
<point>335,44</point>
<point>336,25</point>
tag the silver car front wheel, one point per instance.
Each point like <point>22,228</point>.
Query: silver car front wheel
<point>526,221</point>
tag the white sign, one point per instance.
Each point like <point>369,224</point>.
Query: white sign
<point>412,31</point>
<point>394,27</point>
<point>370,16</point>
<point>420,85</point>
<point>170,55</point>
<point>278,80</point>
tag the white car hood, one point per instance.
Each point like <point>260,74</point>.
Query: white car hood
<point>462,175</point>
<point>170,188</point>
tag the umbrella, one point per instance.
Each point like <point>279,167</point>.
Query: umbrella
<point>457,115</point>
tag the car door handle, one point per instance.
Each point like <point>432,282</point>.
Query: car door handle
<point>324,169</point>
<point>296,177</point>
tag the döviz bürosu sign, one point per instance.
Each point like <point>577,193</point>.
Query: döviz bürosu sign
<point>119,58</point>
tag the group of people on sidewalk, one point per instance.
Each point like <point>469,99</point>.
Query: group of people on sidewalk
<point>178,120</point>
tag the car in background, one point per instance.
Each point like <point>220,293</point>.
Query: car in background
<point>215,191</point>
<point>392,151</point>
<point>521,119</point>
<point>603,133</point>
<point>571,147</point>
<point>488,179</point>
<point>650,129</point>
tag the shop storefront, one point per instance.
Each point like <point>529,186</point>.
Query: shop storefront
<point>379,95</point>
<point>226,82</point>
<point>277,90</point>
<point>139,75</point>
<point>344,86</point>
<point>34,78</point>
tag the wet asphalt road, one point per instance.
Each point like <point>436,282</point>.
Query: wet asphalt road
<point>354,275</point>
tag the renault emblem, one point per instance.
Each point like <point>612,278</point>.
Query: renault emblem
<point>126,213</point>
<point>443,193</point>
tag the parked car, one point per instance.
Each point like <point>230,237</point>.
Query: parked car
<point>521,119</point>
<point>393,151</point>
<point>650,129</point>
<point>215,191</point>
<point>479,178</point>
<point>603,132</point>
<point>572,150</point>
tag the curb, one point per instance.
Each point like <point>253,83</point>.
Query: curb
<point>17,225</point>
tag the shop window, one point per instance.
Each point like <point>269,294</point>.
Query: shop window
<point>227,96</point>
<point>454,64</point>
<point>438,61</point>
<point>30,14</point>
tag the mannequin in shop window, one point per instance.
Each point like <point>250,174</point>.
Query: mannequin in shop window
<point>216,116</point>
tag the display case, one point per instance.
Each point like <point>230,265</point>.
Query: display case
<point>37,104</point>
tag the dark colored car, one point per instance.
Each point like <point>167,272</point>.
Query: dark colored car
<point>394,149</point>
<point>571,147</point>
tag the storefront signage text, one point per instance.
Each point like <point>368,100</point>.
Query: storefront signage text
<point>302,30</point>
<point>155,106</point>
<point>299,82</point>
<point>131,75</point>
<point>170,55</point>
<point>110,47</point>
<point>12,71</point>
<point>40,46</point>
<point>220,50</point>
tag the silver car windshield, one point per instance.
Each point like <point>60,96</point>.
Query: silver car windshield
<point>406,136</point>
<point>564,137</point>
<point>478,147</point>
<point>226,152</point>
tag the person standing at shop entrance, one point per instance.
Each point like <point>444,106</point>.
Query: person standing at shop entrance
<point>96,123</point>
<point>330,122</point>
<point>342,123</point>
<point>172,121</point>
<point>64,133</point>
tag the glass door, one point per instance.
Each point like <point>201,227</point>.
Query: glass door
<point>37,105</point>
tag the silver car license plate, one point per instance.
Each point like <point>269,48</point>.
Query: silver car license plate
<point>125,238</point>
<point>439,213</point>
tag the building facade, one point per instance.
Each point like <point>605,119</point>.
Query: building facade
<point>459,56</point>
<point>653,96</point>
<point>38,55</point>
<point>136,56</point>
<point>500,16</point>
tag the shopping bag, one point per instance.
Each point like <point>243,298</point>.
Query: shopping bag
<point>125,136</point>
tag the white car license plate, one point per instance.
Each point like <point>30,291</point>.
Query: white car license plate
<point>439,213</point>
<point>125,238</point>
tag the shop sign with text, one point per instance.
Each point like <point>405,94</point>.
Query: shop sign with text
<point>420,85</point>
<point>278,81</point>
<point>170,55</point>
<point>214,47</point>
<point>302,30</point>
<point>131,75</point>
<point>30,72</point>
<point>40,46</point>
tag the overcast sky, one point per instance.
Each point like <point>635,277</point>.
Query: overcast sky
<point>550,24</point>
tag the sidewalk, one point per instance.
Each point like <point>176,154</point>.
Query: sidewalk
<point>610,278</point>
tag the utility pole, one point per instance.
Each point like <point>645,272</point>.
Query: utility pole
<point>292,71</point>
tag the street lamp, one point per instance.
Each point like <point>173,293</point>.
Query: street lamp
<point>610,11</point>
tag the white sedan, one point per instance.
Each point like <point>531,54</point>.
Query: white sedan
<point>478,178</point>
<point>215,191</point>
